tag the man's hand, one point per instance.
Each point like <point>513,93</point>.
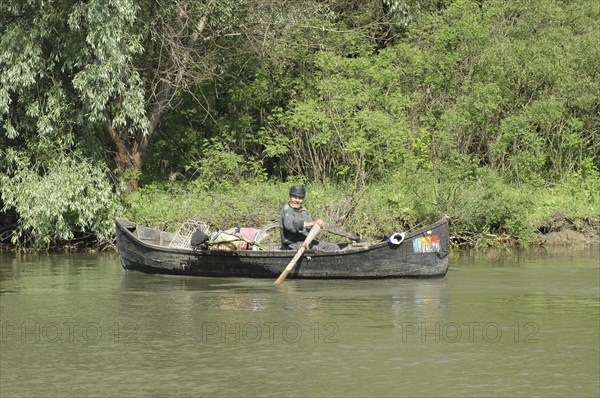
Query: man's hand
<point>319,222</point>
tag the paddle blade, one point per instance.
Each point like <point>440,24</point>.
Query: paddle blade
<point>282,277</point>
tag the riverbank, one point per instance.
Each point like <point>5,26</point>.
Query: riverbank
<point>559,230</point>
<point>564,230</point>
<point>484,212</point>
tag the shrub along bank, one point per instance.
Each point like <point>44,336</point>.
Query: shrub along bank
<point>483,210</point>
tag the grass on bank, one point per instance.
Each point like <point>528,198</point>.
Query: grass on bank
<point>481,206</point>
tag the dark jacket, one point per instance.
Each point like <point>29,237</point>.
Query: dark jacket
<point>291,225</point>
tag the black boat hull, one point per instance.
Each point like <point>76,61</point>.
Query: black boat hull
<point>421,254</point>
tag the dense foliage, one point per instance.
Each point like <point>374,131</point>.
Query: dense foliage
<point>395,112</point>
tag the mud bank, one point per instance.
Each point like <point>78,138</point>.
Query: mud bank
<point>564,230</point>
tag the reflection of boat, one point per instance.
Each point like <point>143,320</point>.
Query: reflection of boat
<point>421,253</point>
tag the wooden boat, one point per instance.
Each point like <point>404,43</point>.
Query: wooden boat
<point>420,254</point>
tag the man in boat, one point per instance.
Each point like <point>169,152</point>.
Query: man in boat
<point>295,223</point>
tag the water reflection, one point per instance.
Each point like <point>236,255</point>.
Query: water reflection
<point>427,301</point>
<point>240,294</point>
<point>532,256</point>
<point>190,307</point>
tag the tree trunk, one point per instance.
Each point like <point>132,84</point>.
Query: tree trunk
<point>167,76</point>
<point>128,153</point>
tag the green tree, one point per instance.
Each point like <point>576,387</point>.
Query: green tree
<point>267,65</point>
<point>85,83</point>
<point>57,199</point>
<point>505,80</point>
<point>101,72</point>
<point>351,123</point>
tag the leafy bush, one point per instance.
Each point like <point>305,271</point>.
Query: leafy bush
<point>52,202</point>
<point>168,204</point>
<point>219,165</point>
<point>498,208</point>
<point>576,195</point>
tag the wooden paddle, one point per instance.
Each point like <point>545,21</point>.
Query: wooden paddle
<point>312,234</point>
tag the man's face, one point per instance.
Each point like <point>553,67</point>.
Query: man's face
<point>296,201</point>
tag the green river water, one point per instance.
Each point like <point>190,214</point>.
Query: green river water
<point>518,324</point>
